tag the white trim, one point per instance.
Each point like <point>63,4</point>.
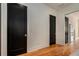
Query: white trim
<point>3,29</point>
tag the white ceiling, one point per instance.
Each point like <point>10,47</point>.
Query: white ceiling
<point>74,14</point>
<point>57,5</point>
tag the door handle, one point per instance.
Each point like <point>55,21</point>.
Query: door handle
<point>25,35</point>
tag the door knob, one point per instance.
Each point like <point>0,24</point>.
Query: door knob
<point>25,35</point>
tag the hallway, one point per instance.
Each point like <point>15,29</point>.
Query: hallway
<point>55,50</point>
<point>39,29</point>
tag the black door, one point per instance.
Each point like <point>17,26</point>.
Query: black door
<point>17,29</point>
<point>52,30</point>
<point>66,29</point>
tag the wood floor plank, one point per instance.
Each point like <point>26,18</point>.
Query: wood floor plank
<point>55,50</point>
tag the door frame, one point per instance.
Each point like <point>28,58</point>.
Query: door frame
<point>3,29</point>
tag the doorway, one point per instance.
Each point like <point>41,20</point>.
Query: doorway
<point>16,29</point>
<point>52,29</point>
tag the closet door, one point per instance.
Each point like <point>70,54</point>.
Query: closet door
<point>52,30</point>
<point>66,29</point>
<point>17,29</point>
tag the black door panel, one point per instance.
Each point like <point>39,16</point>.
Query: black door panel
<point>66,29</point>
<point>17,23</point>
<point>52,29</point>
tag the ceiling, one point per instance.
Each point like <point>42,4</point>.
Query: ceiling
<point>57,5</point>
<point>74,14</point>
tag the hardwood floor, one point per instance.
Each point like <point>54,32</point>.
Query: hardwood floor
<point>55,50</point>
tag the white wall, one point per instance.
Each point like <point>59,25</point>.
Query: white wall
<point>37,26</point>
<point>38,36</point>
<point>60,27</point>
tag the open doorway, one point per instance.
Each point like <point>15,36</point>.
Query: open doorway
<point>73,26</point>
